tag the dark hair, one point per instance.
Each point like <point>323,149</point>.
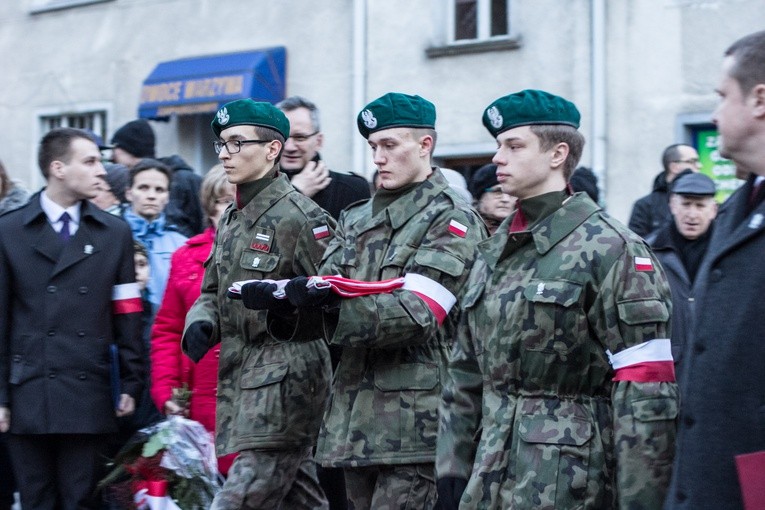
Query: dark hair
<point>671,154</point>
<point>5,182</point>
<point>150,164</point>
<point>56,145</point>
<point>551,134</point>
<point>295,102</point>
<point>140,249</point>
<point>749,60</point>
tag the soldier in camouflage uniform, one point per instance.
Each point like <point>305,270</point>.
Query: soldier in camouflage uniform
<point>382,420</point>
<point>271,394</point>
<point>562,392</point>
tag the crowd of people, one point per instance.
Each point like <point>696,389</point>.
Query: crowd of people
<point>420,343</point>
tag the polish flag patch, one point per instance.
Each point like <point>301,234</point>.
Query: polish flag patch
<point>321,232</point>
<point>457,228</point>
<point>643,264</point>
<point>126,298</point>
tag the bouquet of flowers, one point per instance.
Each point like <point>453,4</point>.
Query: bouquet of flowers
<point>170,465</point>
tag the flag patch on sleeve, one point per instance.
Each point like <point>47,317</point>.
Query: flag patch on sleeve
<point>321,232</point>
<point>643,264</point>
<point>457,228</point>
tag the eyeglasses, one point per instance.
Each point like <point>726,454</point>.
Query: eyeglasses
<point>303,138</point>
<point>234,146</point>
<point>689,161</point>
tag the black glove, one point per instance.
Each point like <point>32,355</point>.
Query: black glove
<point>450,491</point>
<point>260,296</point>
<point>196,340</point>
<point>301,296</point>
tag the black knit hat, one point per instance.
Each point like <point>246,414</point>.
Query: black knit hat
<point>135,137</point>
<point>483,179</point>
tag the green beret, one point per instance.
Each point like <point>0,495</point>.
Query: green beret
<point>246,112</point>
<point>529,107</point>
<point>396,110</point>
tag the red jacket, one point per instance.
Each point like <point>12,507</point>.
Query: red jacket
<point>170,368</point>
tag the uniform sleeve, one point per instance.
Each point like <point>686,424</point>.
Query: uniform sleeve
<point>127,309</point>
<point>460,408</point>
<point>205,308</point>
<point>437,270</point>
<point>634,311</point>
<point>166,333</point>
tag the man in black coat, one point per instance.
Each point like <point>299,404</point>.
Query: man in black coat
<point>720,457</point>
<point>70,324</point>
<point>135,141</point>
<point>652,211</point>
<point>680,246</point>
<point>332,191</point>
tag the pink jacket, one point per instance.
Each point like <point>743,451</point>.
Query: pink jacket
<point>170,368</point>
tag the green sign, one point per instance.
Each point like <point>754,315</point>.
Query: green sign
<point>721,170</point>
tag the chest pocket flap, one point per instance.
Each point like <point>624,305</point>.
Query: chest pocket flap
<point>558,292</point>
<point>442,261</point>
<point>258,261</point>
<point>644,311</point>
<point>264,375</point>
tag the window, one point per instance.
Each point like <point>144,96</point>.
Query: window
<point>480,19</point>
<point>94,121</point>
<point>474,26</point>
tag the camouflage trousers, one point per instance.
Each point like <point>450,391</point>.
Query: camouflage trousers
<point>402,487</point>
<point>273,480</point>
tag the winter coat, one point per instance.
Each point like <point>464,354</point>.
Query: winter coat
<point>651,212</point>
<point>723,385</point>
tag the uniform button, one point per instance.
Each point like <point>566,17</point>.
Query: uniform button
<point>698,347</point>
<point>51,333</point>
<point>691,300</point>
<point>16,357</point>
<point>716,275</point>
<point>51,289</point>
<point>681,496</point>
<point>689,421</point>
<point>51,376</point>
<point>80,334</point>
<point>81,376</point>
<point>83,290</point>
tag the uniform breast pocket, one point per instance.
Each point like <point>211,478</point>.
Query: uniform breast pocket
<point>263,263</point>
<point>554,321</point>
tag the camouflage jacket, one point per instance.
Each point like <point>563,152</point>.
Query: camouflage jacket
<point>271,394</point>
<point>384,403</point>
<point>531,416</point>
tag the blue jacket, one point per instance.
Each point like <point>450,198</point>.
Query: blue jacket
<point>161,241</point>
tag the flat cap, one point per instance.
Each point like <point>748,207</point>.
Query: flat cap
<point>396,110</point>
<point>246,112</point>
<point>694,184</point>
<point>529,107</point>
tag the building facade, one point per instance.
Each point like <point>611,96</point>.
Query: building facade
<point>642,72</point>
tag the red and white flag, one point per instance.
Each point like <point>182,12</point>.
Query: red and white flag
<point>457,228</point>
<point>643,264</point>
<point>321,232</point>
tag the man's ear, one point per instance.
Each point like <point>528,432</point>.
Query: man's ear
<point>426,145</point>
<point>274,147</point>
<point>559,154</point>
<point>758,97</point>
<point>56,169</point>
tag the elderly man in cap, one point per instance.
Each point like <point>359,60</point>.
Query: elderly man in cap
<point>271,395</point>
<point>562,391</point>
<point>405,256</point>
<point>680,246</point>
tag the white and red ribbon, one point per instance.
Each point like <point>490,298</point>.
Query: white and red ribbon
<point>126,298</point>
<point>650,361</point>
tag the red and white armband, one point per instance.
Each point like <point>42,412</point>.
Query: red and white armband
<point>650,361</point>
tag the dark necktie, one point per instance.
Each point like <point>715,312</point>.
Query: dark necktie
<point>64,232</point>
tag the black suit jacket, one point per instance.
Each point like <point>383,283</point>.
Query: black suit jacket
<point>58,318</point>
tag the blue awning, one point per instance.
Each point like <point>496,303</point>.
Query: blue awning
<point>203,84</point>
